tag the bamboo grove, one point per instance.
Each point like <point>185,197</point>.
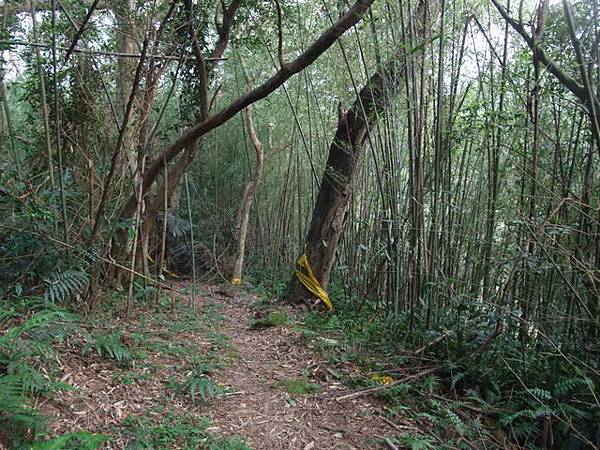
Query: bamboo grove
<point>451,147</point>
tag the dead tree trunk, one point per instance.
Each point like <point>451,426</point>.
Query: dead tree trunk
<point>336,185</point>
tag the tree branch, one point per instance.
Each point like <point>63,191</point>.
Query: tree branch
<point>571,84</point>
<point>326,40</point>
<point>279,34</point>
<point>81,29</point>
<point>225,28</point>
<point>200,62</point>
<point>117,152</point>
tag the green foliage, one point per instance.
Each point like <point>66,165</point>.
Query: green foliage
<point>31,261</point>
<point>176,432</point>
<point>297,386</point>
<point>63,286</point>
<point>177,227</point>
<point>82,440</point>
<point>199,385</point>
<point>32,325</point>
<point>109,346</point>
<point>417,441</point>
<point>273,319</point>
<point>17,414</point>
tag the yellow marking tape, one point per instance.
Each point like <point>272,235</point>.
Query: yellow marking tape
<point>310,282</point>
<point>236,281</point>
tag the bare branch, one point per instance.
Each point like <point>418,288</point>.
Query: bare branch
<point>81,29</point>
<point>101,53</point>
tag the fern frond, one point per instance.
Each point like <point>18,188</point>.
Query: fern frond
<point>15,408</point>
<point>108,346</point>
<point>62,286</point>
<point>176,226</point>
<point>568,386</point>
<point>540,394</point>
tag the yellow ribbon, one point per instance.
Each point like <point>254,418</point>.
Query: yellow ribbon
<point>310,282</point>
<point>236,281</point>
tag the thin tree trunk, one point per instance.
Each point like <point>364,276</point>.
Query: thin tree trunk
<point>126,67</point>
<point>248,197</point>
<point>45,113</point>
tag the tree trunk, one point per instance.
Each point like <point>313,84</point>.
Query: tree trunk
<point>336,185</point>
<point>246,204</point>
<point>125,18</point>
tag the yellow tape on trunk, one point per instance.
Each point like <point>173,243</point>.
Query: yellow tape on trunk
<point>310,282</point>
<point>236,281</point>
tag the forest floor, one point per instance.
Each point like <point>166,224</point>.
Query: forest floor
<point>263,382</point>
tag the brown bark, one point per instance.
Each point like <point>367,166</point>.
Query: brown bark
<point>126,71</point>
<point>336,186</point>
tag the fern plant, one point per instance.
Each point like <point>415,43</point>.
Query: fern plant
<point>22,346</point>
<point>176,226</point>
<point>16,343</point>
<point>197,385</point>
<point>108,346</point>
<point>64,285</point>
<point>202,387</point>
<point>17,414</point>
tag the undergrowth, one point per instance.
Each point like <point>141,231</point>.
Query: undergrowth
<point>487,391</point>
<point>30,327</point>
<point>174,431</point>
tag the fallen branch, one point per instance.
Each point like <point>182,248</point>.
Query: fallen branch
<point>383,387</point>
<point>432,343</point>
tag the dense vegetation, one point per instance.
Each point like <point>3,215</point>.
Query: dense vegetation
<point>436,161</point>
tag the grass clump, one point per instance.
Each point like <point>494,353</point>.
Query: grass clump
<point>297,386</point>
<point>176,431</point>
<point>273,319</point>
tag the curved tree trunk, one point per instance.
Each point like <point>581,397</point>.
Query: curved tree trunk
<point>336,186</point>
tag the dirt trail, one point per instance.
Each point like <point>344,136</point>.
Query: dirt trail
<point>265,417</point>
<point>268,418</point>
